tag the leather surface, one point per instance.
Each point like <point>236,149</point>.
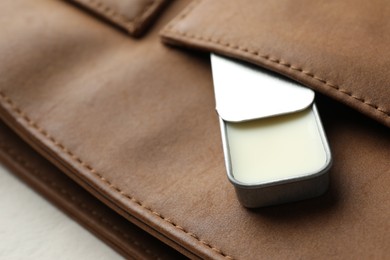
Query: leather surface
<point>133,122</point>
<point>126,238</point>
<point>131,15</point>
<point>335,47</point>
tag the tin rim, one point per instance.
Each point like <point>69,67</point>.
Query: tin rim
<point>304,176</point>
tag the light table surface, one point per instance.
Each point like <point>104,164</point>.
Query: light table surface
<point>32,228</point>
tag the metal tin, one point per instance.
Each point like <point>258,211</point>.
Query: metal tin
<point>235,103</point>
<point>308,185</point>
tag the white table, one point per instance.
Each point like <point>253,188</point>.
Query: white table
<point>32,228</point>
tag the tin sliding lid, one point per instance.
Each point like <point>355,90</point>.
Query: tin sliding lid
<point>274,144</point>
<point>239,96</point>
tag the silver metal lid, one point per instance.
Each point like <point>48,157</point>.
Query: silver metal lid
<point>242,93</point>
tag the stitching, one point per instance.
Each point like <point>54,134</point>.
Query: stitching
<point>148,10</point>
<point>65,193</point>
<point>88,167</point>
<point>184,13</point>
<point>116,16</point>
<point>256,54</point>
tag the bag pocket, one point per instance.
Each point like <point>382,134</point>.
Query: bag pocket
<point>337,48</point>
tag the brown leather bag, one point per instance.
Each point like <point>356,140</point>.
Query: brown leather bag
<point>131,121</point>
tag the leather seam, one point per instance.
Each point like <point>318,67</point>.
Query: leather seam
<point>31,124</point>
<point>256,54</point>
<point>75,201</point>
<point>113,14</point>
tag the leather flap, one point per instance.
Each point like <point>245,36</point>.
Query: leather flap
<point>131,15</point>
<point>338,48</point>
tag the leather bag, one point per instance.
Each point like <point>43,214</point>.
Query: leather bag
<point>108,110</point>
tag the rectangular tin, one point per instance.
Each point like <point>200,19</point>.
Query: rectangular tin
<point>282,191</point>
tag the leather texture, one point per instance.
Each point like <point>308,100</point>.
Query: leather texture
<point>129,240</point>
<point>335,47</point>
<point>133,122</point>
<point>132,16</point>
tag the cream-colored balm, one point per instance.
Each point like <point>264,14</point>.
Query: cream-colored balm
<point>276,148</point>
